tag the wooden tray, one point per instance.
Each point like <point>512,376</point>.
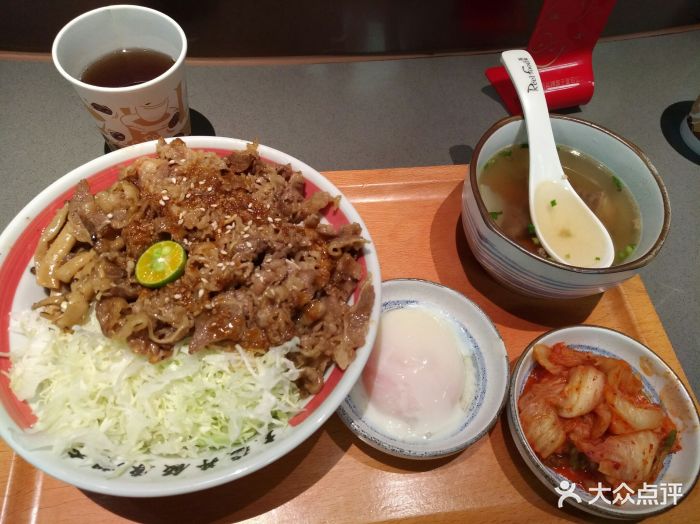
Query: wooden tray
<point>413,215</point>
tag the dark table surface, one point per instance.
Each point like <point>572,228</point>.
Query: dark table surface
<point>392,113</point>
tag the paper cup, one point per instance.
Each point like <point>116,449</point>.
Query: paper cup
<point>134,114</point>
<point>690,127</point>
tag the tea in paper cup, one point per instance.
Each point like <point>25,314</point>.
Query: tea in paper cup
<point>127,65</point>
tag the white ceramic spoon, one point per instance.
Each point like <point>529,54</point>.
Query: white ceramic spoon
<point>567,229</point>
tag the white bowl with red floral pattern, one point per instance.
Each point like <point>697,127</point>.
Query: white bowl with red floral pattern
<point>163,476</point>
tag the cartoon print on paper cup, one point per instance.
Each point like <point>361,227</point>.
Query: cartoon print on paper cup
<point>690,127</point>
<point>144,122</point>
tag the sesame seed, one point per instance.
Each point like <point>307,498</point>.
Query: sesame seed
<point>200,293</point>
<point>177,296</point>
<point>223,252</point>
<point>278,220</point>
<point>208,306</point>
<point>164,191</point>
<point>220,264</point>
<point>166,197</point>
<point>188,195</point>
<point>246,235</point>
<point>210,188</point>
<point>215,206</point>
<point>173,179</point>
<point>161,202</point>
<point>269,219</point>
<point>214,225</point>
<point>201,182</point>
<point>249,244</point>
<point>110,215</point>
<point>180,222</point>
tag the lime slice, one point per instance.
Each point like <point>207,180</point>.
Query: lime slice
<point>161,263</point>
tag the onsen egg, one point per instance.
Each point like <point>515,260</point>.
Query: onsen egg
<point>418,378</point>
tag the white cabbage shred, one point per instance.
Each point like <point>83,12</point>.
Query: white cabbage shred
<point>94,394</point>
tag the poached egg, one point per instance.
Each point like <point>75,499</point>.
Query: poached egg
<point>419,380</point>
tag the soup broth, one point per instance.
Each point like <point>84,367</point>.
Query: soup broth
<point>503,185</point>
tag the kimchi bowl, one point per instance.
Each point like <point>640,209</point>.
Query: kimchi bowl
<point>582,477</point>
<point>165,474</point>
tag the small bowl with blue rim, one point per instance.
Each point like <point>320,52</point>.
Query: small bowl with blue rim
<point>661,385</point>
<point>485,358</point>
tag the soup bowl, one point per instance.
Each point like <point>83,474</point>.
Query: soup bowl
<point>534,275</point>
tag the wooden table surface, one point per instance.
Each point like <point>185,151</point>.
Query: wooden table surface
<point>413,215</point>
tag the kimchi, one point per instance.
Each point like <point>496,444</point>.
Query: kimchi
<point>588,418</point>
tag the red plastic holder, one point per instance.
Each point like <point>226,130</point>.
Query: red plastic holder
<point>562,45</point>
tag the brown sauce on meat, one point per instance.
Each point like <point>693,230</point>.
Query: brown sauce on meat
<point>261,267</point>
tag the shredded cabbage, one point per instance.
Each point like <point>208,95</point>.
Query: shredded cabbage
<point>92,393</point>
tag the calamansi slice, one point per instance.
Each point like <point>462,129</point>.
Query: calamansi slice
<point>161,263</point>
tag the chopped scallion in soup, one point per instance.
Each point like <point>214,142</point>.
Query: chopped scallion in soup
<point>503,185</point>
